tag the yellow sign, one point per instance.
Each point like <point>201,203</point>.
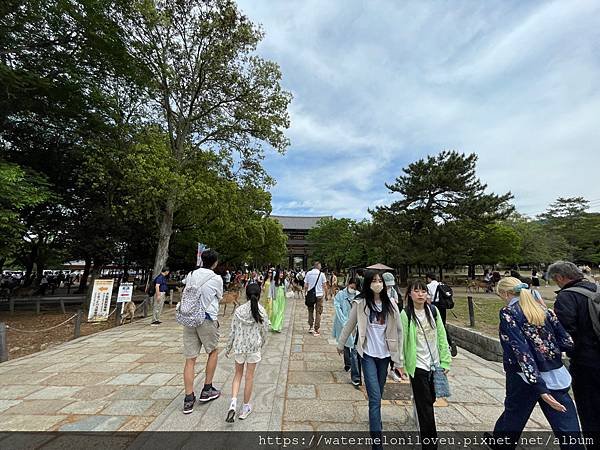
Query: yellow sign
<point>100,304</point>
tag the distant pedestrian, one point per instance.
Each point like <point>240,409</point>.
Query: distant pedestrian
<point>342,304</point>
<point>392,292</point>
<point>578,313</point>
<point>208,287</point>
<point>248,335</point>
<point>227,278</point>
<point>268,290</point>
<point>161,289</point>
<point>425,350</point>
<point>535,279</point>
<point>532,341</point>
<point>433,289</point>
<point>280,287</point>
<point>314,288</point>
<point>380,340</point>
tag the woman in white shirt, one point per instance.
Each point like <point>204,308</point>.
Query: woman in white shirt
<point>379,341</point>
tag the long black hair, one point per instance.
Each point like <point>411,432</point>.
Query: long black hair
<point>279,282</point>
<point>367,294</point>
<point>410,305</point>
<point>253,295</point>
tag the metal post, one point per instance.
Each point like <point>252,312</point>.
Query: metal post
<point>3,343</point>
<point>145,308</point>
<point>11,305</point>
<point>471,311</point>
<point>62,306</point>
<point>37,305</point>
<point>118,314</point>
<point>77,330</point>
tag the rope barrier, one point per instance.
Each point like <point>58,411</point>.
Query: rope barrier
<point>18,330</point>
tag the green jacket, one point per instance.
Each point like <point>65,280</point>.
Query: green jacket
<point>410,343</point>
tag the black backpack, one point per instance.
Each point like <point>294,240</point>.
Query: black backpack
<point>593,305</point>
<point>445,296</point>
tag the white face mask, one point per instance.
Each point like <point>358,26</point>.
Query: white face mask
<point>377,287</point>
<point>351,291</point>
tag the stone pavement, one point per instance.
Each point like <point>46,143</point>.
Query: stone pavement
<point>130,379</point>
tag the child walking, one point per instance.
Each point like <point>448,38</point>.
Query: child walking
<point>249,330</point>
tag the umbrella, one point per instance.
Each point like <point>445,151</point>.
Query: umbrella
<point>379,266</point>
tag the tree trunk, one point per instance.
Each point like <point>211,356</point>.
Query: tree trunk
<point>471,272</point>
<point>164,237</point>
<point>85,275</point>
<point>441,273</point>
<point>403,273</point>
<point>2,261</point>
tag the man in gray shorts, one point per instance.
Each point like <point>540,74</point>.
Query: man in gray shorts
<point>206,334</point>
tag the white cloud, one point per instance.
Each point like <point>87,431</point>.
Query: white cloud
<point>379,84</point>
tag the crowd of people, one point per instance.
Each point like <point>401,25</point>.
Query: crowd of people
<point>533,338</point>
<point>382,332</point>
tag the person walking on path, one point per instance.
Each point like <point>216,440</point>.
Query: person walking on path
<point>248,335</point>
<point>160,291</point>
<point>532,341</point>
<point>380,339</point>
<point>315,279</point>
<point>342,304</point>
<point>210,286</point>
<point>425,347</point>
<point>433,290</point>
<point>572,307</point>
<point>267,292</point>
<point>279,301</point>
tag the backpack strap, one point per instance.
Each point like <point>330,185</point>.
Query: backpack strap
<point>593,305</point>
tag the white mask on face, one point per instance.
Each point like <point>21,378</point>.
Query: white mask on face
<point>351,291</point>
<point>377,287</point>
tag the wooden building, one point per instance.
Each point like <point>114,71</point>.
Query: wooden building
<point>296,228</point>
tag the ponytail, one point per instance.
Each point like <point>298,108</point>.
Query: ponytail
<point>254,308</point>
<point>534,312</point>
<point>253,292</point>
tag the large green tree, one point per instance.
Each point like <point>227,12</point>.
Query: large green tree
<point>209,91</point>
<point>443,207</point>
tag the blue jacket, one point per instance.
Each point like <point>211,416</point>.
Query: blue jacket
<point>531,349</point>
<point>342,304</point>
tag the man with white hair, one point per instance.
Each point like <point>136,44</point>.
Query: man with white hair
<point>573,308</point>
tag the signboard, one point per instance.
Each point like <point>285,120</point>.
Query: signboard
<point>100,303</point>
<point>201,248</point>
<point>125,293</point>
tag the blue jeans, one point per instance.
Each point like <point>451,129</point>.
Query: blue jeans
<point>518,405</point>
<point>375,373</point>
<point>351,359</point>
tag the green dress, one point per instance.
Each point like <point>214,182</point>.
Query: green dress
<point>278,308</point>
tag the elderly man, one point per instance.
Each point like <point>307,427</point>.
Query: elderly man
<point>572,309</point>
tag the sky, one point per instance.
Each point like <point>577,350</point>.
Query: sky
<point>378,84</point>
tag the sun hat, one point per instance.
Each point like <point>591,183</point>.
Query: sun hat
<point>388,278</point>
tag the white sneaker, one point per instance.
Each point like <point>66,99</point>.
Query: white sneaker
<point>311,330</point>
<point>394,376</point>
<point>246,410</point>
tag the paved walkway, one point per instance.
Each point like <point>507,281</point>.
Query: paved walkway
<point>129,379</point>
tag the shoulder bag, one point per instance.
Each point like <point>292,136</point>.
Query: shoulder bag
<point>441,385</point>
<point>311,295</point>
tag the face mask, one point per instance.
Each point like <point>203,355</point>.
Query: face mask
<point>377,287</point>
<point>351,291</point>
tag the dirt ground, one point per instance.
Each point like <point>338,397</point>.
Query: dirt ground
<point>21,344</point>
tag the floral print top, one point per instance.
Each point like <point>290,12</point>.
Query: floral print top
<point>529,348</point>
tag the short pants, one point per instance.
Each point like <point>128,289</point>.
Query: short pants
<point>250,358</point>
<point>194,338</point>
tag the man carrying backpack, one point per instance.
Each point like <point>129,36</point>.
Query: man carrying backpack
<point>440,295</point>
<point>577,307</point>
<point>202,293</point>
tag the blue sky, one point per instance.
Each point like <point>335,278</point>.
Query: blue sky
<point>378,84</point>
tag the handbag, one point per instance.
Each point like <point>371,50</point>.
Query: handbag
<point>441,386</point>
<point>311,295</point>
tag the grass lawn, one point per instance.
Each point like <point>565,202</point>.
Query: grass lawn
<point>486,313</point>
